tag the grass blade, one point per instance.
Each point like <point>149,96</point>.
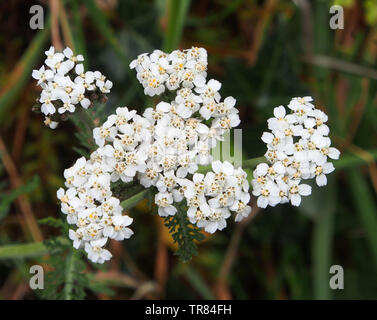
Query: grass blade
<point>104,28</point>
<point>350,160</point>
<point>27,250</point>
<point>22,72</point>
<point>321,253</point>
<point>22,250</point>
<point>198,283</point>
<point>177,11</point>
<point>366,207</point>
<point>78,32</point>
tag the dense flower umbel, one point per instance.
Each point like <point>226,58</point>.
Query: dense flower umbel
<point>164,147</point>
<point>298,148</point>
<point>90,206</point>
<point>181,140</point>
<point>161,148</point>
<point>65,85</point>
<point>212,197</point>
<point>180,69</point>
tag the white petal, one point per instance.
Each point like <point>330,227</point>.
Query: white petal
<point>321,180</point>
<point>267,137</point>
<point>328,167</point>
<point>304,189</point>
<point>334,153</point>
<point>295,200</point>
<point>279,112</point>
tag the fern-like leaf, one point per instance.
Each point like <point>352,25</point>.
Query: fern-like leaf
<point>184,233</point>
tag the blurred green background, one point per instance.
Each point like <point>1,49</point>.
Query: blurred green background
<point>264,53</point>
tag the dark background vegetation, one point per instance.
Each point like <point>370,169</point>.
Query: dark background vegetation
<point>264,53</point>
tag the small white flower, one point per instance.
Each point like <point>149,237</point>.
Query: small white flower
<point>43,75</point>
<point>96,252</point>
<point>119,230</point>
<point>66,196</point>
<point>47,106</point>
<point>320,171</point>
<point>77,238</point>
<point>164,201</point>
<point>241,208</point>
<point>210,91</point>
<point>217,220</point>
<point>50,123</point>
<point>104,133</point>
<point>296,190</point>
<point>267,194</point>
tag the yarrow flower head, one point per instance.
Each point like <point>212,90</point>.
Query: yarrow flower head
<point>298,148</point>
<point>90,205</point>
<point>163,148</point>
<point>211,198</point>
<point>160,149</point>
<point>160,71</point>
<point>66,86</point>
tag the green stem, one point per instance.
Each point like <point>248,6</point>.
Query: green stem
<point>69,274</point>
<point>134,200</point>
<point>252,163</point>
<point>322,242</point>
<point>26,250</point>
<point>22,250</point>
<point>321,250</point>
<point>86,119</point>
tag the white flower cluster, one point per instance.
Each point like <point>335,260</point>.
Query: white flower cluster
<point>162,149</point>
<point>129,146</point>
<point>65,85</point>
<point>89,204</point>
<point>298,148</point>
<point>194,94</point>
<point>212,197</point>
<point>160,70</point>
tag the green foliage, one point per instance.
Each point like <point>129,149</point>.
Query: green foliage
<point>321,208</point>
<point>197,281</point>
<point>55,223</point>
<point>19,251</point>
<point>371,11</point>
<point>7,198</point>
<point>369,5</point>
<point>255,49</point>
<point>21,73</point>
<point>366,208</point>
<point>344,3</point>
<point>85,121</point>
<point>68,279</point>
<point>107,32</point>
<point>177,10</point>
<point>98,286</point>
<point>184,233</point>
